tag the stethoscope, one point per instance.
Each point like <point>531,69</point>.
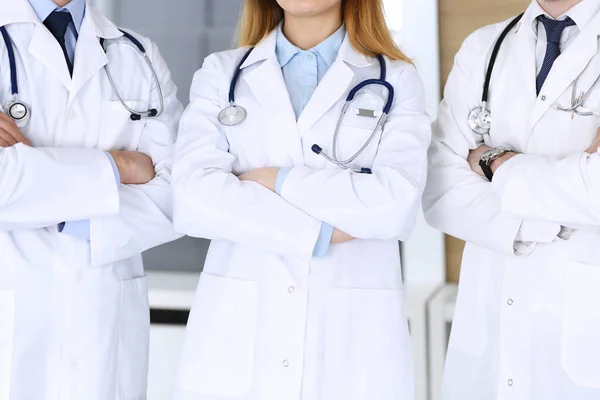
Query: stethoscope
<point>235,114</point>
<point>578,101</point>
<point>20,112</point>
<point>480,119</point>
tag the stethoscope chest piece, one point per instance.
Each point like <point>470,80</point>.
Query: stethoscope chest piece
<point>232,115</point>
<point>480,120</point>
<point>19,112</point>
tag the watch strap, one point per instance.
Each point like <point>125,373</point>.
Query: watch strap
<point>487,170</point>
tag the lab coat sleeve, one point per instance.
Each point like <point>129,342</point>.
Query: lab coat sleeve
<point>145,217</point>
<point>563,191</point>
<point>211,202</point>
<point>34,181</point>
<point>382,205</point>
<point>458,201</point>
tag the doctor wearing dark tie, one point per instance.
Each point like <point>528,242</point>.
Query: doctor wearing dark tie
<point>84,190</point>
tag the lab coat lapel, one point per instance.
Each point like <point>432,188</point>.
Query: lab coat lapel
<point>523,52</point>
<point>89,55</point>
<point>44,47</point>
<point>567,68</point>
<point>267,85</point>
<point>332,87</point>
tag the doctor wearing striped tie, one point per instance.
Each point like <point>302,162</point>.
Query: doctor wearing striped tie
<point>526,199</point>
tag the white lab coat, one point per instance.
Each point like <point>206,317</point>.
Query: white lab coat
<point>527,325</point>
<point>74,314</point>
<point>270,321</point>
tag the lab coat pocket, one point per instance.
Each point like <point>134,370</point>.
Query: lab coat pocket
<point>580,343</point>
<point>134,336</point>
<point>7,315</point>
<point>218,354</point>
<point>117,130</point>
<point>367,350</point>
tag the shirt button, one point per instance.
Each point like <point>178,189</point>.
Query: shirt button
<point>510,302</point>
<point>543,98</point>
<point>308,58</point>
<point>286,363</point>
<point>291,289</point>
<point>510,382</point>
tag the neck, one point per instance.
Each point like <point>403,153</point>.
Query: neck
<point>556,8</point>
<point>62,3</point>
<point>307,32</point>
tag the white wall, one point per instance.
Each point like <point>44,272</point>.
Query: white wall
<point>415,25</point>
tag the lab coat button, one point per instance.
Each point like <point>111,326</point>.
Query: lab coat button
<point>543,98</point>
<point>286,363</point>
<point>510,302</point>
<point>74,364</point>
<point>291,289</point>
<point>510,382</point>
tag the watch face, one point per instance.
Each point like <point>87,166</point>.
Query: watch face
<point>492,154</point>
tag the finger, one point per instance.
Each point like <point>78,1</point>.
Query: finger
<point>8,138</point>
<point>10,127</point>
<point>4,143</point>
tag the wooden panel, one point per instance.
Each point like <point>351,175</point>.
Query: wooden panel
<point>458,18</point>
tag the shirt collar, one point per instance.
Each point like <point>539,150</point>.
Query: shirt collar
<point>327,49</point>
<point>43,8</point>
<point>581,14</point>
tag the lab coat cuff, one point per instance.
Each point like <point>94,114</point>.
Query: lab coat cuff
<point>115,169</point>
<point>538,231</point>
<point>281,176</point>
<point>323,241</point>
<point>78,229</point>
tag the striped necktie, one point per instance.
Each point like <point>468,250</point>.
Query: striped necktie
<point>554,30</point>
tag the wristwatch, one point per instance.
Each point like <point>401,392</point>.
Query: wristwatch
<point>486,160</point>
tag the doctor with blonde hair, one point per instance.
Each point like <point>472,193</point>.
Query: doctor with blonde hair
<point>301,295</point>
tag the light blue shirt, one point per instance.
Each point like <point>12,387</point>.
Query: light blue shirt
<point>43,8</point>
<point>303,69</point>
<point>302,72</point>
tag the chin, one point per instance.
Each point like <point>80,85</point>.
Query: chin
<point>308,8</point>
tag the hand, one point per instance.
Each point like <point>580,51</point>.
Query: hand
<point>475,156</point>
<point>340,237</point>
<point>264,176</point>
<point>497,163</point>
<point>134,167</point>
<point>595,144</point>
<point>10,134</point>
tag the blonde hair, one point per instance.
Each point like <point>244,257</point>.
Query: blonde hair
<point>364,21</point>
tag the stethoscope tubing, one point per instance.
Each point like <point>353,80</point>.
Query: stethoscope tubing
<point>11,61</point>
<point>135,114</point>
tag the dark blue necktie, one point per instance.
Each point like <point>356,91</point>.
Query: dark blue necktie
<point>58,23</point>
<point>554,30</point>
